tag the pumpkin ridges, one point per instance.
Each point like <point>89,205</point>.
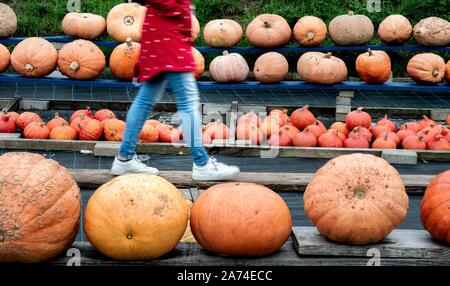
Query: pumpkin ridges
<point>351,29</point>
<point>123,60</point>
<point>271,67</point>
<point>222,33</point>
<point>268,30</point>
<point>374,66</point>
<point>8,22</point>
<point>5,58</point>
<point>115,21</point>
<point>307,25</point>
<point>83,25</point>
<point>432,31</point>
<point>395,29</point>
<point>426,68</point>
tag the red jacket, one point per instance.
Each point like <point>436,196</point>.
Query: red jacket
<point>166,43</point>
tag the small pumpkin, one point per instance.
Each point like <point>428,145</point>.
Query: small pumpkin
<point>5,57</point>
<point>317,128</point>
<point>305,139</point>
<point>36,130</point>
<point>82,60</point>
<point>123,60</point>
<point>351,29</point>
<point>63,132</point>
<point>271,67</point>
<point>78,121</point>
<point>341,127</point>
<point>385,121</point>
<point>390,135</point>
<point>414,126</point>
<point>374,66</point>
<point>426,68</point>
<point>125,21</point>
<point>356,199</point>
<point>195,28</point>
<point>280,139</point>
<point>331,139</point>
<point>149,134</point>
<point>7,123</point>
<point>229,68</point>
<point>114,129</point>
<point>83,25</point>
<point>199,61</point>
<point>34,57</point>
<point>217,130</point>
<point>432,32</point>
<point>310,31</point>
<point>249,132</point>
<point>104,114</point>
<point>56,121</point>
<point>357,118</point>
<point>357,140</point>
<point>8,21</point>
<point>268,31</point>
<point>395,30</point>
<point>280,115</point>
<point>302,117</point>
<point>270,125</point>
<point>384,143</point>
<point>91,129</point>
<point>447,78</point>
<point>320,68</point>
<point>222,33</point>
<point>414,142</point>
<point>250,117</point>
<point>438,143</point>
<point>402,134</point>
<point>26,118</point>
<point>87,112</point>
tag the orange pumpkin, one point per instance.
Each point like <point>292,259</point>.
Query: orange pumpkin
<point>149,134</point>
<point>195,28</point>
<point>351,29</point>
<point>135,217</point>
<point>249,132</point>
<point>34,57</point>
<point>341,127</point>
<point>104,114</point>
<point>320,68</point>
<point>357,199</point>
<point>199,63</point>
<point>114,129</point>
<point>168,134</point>
<point>384,142</point>
<point>374,66</point>
<point>447,77</point>
<point>426,68</point>
<point>217,130</point>
<point>8,21</point>
<point>7,123</point>
<point>395,29</point>
<point>63,132</point>
<point>26,118</point>
<point>81,59</point>
<point>302,117</point>
<point>357,118</point>
<point>268,30</point>
<point>310,31</point>
<point>125,21</point>
<point>40,216</point>
<point>271,67</point>
<point>434,208</point>
<point>5,57</point>
<point>90,129</point>
<point>83,25</point>
<point>229,68</point>
<point>240,219</point>
<point>87,112</point>
<point>432,32</point>
<point>251,118</point>
<point>222,33</point>
<point>56,121</point>
<point>123,60</point>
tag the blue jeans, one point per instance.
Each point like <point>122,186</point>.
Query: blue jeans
<point>184,87</point>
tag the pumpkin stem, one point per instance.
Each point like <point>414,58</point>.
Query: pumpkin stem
<point>420,137</point>
<point>29,67</point>
<point>225,53</point>
<point>435,73</point>
<point>266,24</point>
<point>74,66</point>
<point>370,52</point>
<point>129,236</point>
<point>310,36</point>
<point>351,13</point>
<point>360,193</point>
<point>56,115</point>
<point>359,109</point>
<point>328,55</point>
<point>128,20</point>
<point>2,238</point>
<point>129,42</point>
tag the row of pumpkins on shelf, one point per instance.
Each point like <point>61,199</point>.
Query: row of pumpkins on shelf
<point>300,129</point>
<point>355,199</point>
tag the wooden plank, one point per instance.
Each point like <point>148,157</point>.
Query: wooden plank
<point>12,104</point>
<point>10,136</point>
<point>401,243</point>
<point>45,145</point>
<point>110,149</point>
<point>440,114</point>
<point>28,104</point>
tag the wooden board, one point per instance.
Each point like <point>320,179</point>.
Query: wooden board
<point>45,145</point>
<point>401,243</point>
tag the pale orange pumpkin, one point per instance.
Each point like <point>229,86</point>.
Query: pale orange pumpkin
<point>395,29</point>
<point>268,30</point>
<point>320,68</point>
<point>271,67</point>
<point>149,134</point>
<point>34,57</point>
<point>447,75</point>
<point>5,57</point>
<point>374,66</point>
<point>356,199</point>
<point>310,31</point>
<point>63,132</point>
<point>432,31</point>
<point>222,33</point>
<point>56,121</point>
<point>249,132</point>
<point>199,63</point>
<point>229,68</point>
<point>426,68</point>
<point>83,25</point>
<point>8,21</point>
<point>104,114</point>
<point>195,28</point>
<point>114,129</point>
<point>135,217</point>
<point>123,60</point>
<point>82,60</point>
<point>26,118</point>
<point>125,21</point>
<point>36,130</point>
<point>351,29</point>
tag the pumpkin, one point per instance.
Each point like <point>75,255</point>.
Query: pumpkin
<point>87,112</point>
<point>199,61</point>
<point>40,216</point>
<point>81,59</point>
<point>432,32</point>
<point>8,21</point>
<point>268,31</point>
<point>402,134</point>
<point>222,33</point>
<point>426,68</point>
<point>34,57</point>
<point>104,114</point>
<point>390,135</point>
<point>386,122</point>
<point>270,125</point>
<point>26,118</point>
<point>83,25</point>
<point>249,132</point>
<point>12,114</point>
<point>195,28</point>
<point>290,130</point>
<point>280,139</point>
<point>361,131</point>
<point>63,132</point>
<point>123,60</point>
<point>445,133</point>
<point>229,68</point>
<point>384,143</point>
<point>153,122</point>
<point>135,217</point>
<point>395,30</point>
<point>414,142</point>
<point>4,58</point>
<point>271,67</point>
<point>305,139</point>
<point>351,29</point>
<point>374,66</point>
<point>36,130</point>
<point>76,123</point>
<point>357,140</point>
<point>320,68</point>
<point>430,132</point>
<point>280,115</point>
<point>56,121</point>
<point>447,78</point>
<point>250,117</point>
<point>255,220</point>
<point>114,129</point>
<point>7,123</point>
<point>149,134</point>
<point>330,139</point>
<point>125,21</point>
<point>302,117</point>
<point>357,118</point>
<point>434,207</point>
<point>317,129</point>
<point>378,129</point>
<point>168,134</point>
<point>414,126</point>
<point>310,31</point>
<point>356,199</point>
<point>90,129</point>
<point>341,127</point>
<point>438,143</point>
<point>217,130</point>
<point>426,122</point>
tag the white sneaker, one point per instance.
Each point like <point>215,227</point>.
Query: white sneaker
<point>215,171</point>
<point>132,166</point>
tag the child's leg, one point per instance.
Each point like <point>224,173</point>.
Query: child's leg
<point>185,88</point>
<point>149,94</point>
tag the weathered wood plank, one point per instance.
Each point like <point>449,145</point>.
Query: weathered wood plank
<point>28,104</point>
<point>10,136</point>
<point>12,104</point>
<point>57,145</point>
<point>401,243</point>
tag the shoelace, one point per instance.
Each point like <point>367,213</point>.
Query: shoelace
<point>216,163</point>
<point>139,161</point>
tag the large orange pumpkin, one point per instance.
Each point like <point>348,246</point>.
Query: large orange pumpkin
<point>123,60</point>
<point>374,66</point>
<point>268,30</point>
<point>432,31</point>
<point>435,207</point>
<point>351,29</point>
<point>114,129</point>
<point>81,59</point>
<point>195,28</point>
<point>240,219</point>
<point>222,33</point>
<point>83,25</point>
<point>8,21</point>
<point>34,57</point>
<point>40,208</point>
<point>125,21</point>
<point>5,57</point>
<point>447,74</point>
<point>320,68</point>
<point>356,199</point>
<point>137,216</point>
<point>229,68</point>
<point>395,29</point>
<point>426,68</point>
<point>310,31</point>
<point>199,63</point>
<point>271,67</point>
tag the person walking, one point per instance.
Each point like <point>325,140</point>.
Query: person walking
<point>166,60</point>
